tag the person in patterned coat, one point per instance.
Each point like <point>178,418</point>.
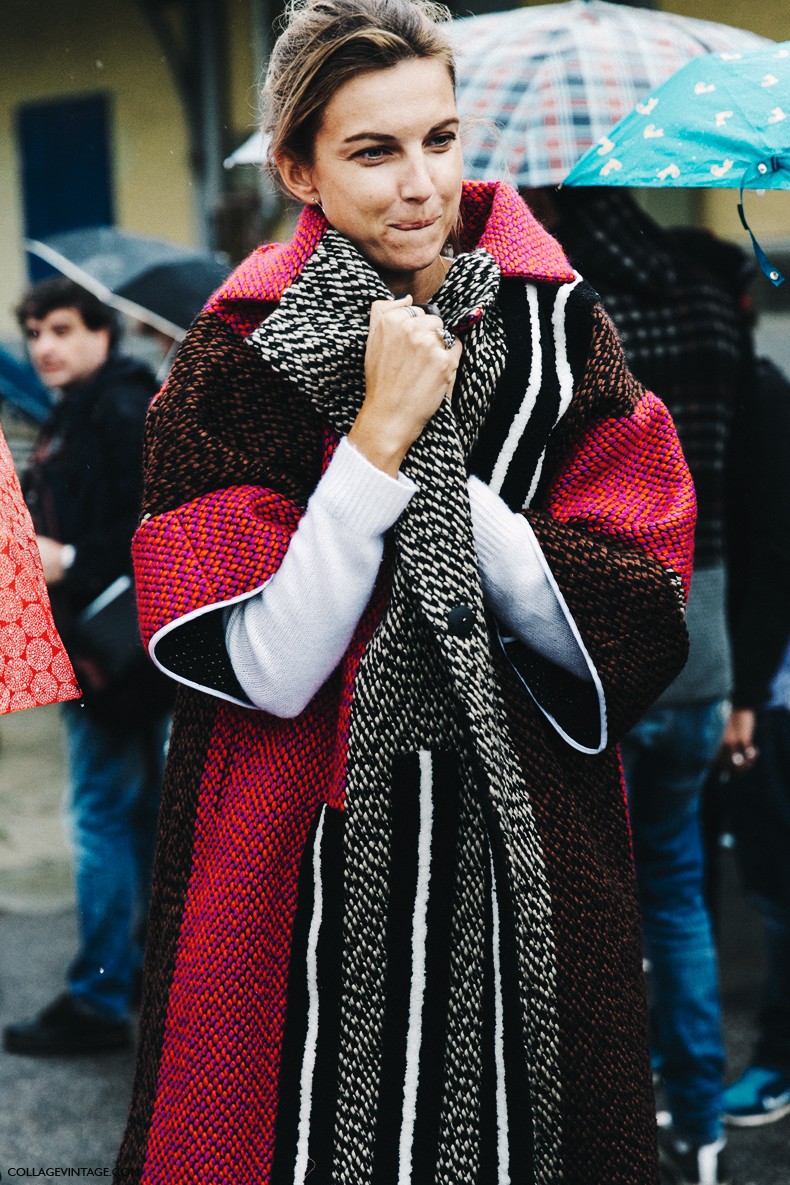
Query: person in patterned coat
<point>34,667</point>
<point>415,545</point>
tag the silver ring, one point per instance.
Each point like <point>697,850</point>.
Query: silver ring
<point>446,338</point>
<point>412,311</point>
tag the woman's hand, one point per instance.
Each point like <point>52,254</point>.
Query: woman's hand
<point>408,372</point>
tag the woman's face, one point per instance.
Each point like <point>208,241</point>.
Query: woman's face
<point>387,167</point>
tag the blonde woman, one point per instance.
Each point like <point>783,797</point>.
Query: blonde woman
<point>415,545</point>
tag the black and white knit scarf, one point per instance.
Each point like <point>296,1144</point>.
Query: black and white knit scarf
<point>423,689</point>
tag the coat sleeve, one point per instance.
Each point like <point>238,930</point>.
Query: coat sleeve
<point>614,517</point>
<point>230,462</point>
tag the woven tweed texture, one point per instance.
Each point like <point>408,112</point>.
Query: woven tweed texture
<point>267,379</point>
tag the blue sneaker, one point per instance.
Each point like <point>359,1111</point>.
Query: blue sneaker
<point>759,1096</point>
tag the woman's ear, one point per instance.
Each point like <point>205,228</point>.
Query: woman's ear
<point>297,178</point>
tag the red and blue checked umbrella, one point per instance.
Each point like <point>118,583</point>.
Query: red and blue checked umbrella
<point>538,86</point>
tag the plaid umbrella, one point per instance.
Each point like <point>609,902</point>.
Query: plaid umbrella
<point>538,86</point>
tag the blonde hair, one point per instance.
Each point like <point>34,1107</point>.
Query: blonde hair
<point>324,44</point>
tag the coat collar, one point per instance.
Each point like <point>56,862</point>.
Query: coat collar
<point>494,218</point>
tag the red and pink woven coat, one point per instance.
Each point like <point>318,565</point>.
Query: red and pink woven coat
<point>395,938</point>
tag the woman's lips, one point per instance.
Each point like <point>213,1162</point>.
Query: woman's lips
<point>415,225</point>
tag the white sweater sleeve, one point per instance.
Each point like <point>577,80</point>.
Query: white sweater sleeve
<point>285,641</point>
<point>517,582</point>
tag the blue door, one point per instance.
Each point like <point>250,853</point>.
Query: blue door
<point>65,158</point>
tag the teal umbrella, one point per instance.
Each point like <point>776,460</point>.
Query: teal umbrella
<point>721,120</point>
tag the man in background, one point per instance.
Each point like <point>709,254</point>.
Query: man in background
<point>83,490</point>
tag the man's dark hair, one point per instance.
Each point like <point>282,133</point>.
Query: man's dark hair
<point>58,292</point>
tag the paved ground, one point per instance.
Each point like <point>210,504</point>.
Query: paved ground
<point>69,1113</point>
<point>59,1112</point>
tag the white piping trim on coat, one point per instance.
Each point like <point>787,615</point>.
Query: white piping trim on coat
<point>594,676</point>
<point>564,372</point>
<point>302,1164</point>
<point>503,1147</point>
<point>191,616</point>
<point>521,419</point>
<point>535,479</point>
<point>419,937</point>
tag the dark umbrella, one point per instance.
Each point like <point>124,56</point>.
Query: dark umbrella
<point>156,281</point>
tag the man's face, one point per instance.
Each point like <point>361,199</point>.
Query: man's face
<point>63,349</point>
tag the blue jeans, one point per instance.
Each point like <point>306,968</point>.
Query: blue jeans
<point>115,785</point>
<point>666,759</point>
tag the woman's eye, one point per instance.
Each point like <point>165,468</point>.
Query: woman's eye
<point>372,154</point>
<point>442,140</point>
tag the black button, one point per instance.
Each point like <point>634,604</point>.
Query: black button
<point>461,621</point>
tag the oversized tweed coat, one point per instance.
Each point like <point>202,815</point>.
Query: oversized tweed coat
<point>395,938</point>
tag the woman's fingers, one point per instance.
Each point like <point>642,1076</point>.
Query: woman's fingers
<point>403,337</point>
<point>409,369</point>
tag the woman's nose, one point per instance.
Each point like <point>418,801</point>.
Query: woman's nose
<point>416,182</point>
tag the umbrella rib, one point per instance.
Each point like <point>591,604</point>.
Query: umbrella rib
<point>74,272</point>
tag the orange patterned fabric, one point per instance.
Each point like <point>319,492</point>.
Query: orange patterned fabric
<point>34,668</point>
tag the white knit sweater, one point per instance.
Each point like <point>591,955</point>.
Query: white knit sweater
<point>285,641</point>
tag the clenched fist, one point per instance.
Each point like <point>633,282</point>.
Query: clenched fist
<point>408,372</point>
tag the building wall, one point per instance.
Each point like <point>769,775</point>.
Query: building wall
<point>243,71</point>
<point>59,48</point>
<point>769,18</point>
